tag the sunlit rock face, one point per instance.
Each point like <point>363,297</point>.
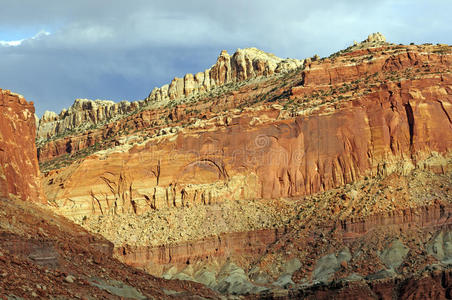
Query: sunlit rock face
<point>259,180</point>
<point>242,65</point>
<point>19,171</point>
<point>348,121</point>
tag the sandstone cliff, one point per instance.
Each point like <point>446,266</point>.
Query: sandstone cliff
<point>339,120</point>
<point>19,171</point>
<point>335,172</point>
<point>85,114</point>
<point>82,115</point>
<point>43,255</point>
<point>242,65</point>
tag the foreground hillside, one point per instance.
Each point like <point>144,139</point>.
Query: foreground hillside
<point>261,176</point>
<point>46,256</point>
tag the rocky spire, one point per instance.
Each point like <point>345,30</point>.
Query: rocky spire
<point>376,38</point>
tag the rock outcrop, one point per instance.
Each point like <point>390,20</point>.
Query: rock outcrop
<point>393,127</point>
<point>45,256</point>
<point>19,171</point>
<point>350,155</point>
<point>373,40</point>
<point>244,64</point>
<point>153,259</point>
<point>82,115</point>
<point>58,258</point>
<point>376,38</point>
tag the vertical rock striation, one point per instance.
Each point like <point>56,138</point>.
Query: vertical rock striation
<point>19,171</point>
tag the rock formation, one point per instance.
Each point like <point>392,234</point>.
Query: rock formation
<point>244,64</point>
<point>82,115</point>
<point>19,171</point>
<point>376,38</point>
<point>58,258</point>
<point>334,172</point>
<point>45,256</point>
<point>365,130</point>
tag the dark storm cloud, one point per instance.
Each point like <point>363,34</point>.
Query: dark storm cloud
<point>121,50</point>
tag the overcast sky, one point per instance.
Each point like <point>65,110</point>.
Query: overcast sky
<point>55,51</point>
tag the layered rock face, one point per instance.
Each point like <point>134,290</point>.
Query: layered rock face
<point>256,243</point>
<point>242,65</point>
<point>82,115</point>
<point>19,171</point>
<point>337,170</point>
<point>58,258</point>
<point>154,259</point>
<point>62,260</point>
<point>367,130</point>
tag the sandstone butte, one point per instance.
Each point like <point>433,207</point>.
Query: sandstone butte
<point>45,256</point>
<point>271,178</point>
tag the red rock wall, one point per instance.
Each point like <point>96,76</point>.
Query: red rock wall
<point>328,72</point>
<point>252,243</point>
<point>435,216</point>
<point>389,125</point>
<point>19,171</point>
<point>391,128</point>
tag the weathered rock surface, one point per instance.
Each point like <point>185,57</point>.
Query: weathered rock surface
<point>244,64</point>
<point>395,127</point>
<point>48,256</point>
<point>235,244</point>
<point>441,247</point>
<point>43,255</point>
<point>358,144</point>
<point>19,171</point>
<point>394,255</point>
<point>434,285</point>
<point>82,115</point>
<point>330,264</point>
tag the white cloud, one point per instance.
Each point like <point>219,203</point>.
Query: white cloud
<point>41,34</point>
<point>11,43</point>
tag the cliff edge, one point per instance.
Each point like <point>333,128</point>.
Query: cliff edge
<point>19,170</point>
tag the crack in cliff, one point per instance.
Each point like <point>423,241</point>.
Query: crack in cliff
<point>445,111</point>
<point>95,199</point>
<point>410,118</point>
<point>121,190</point>
<point>157,172</point>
